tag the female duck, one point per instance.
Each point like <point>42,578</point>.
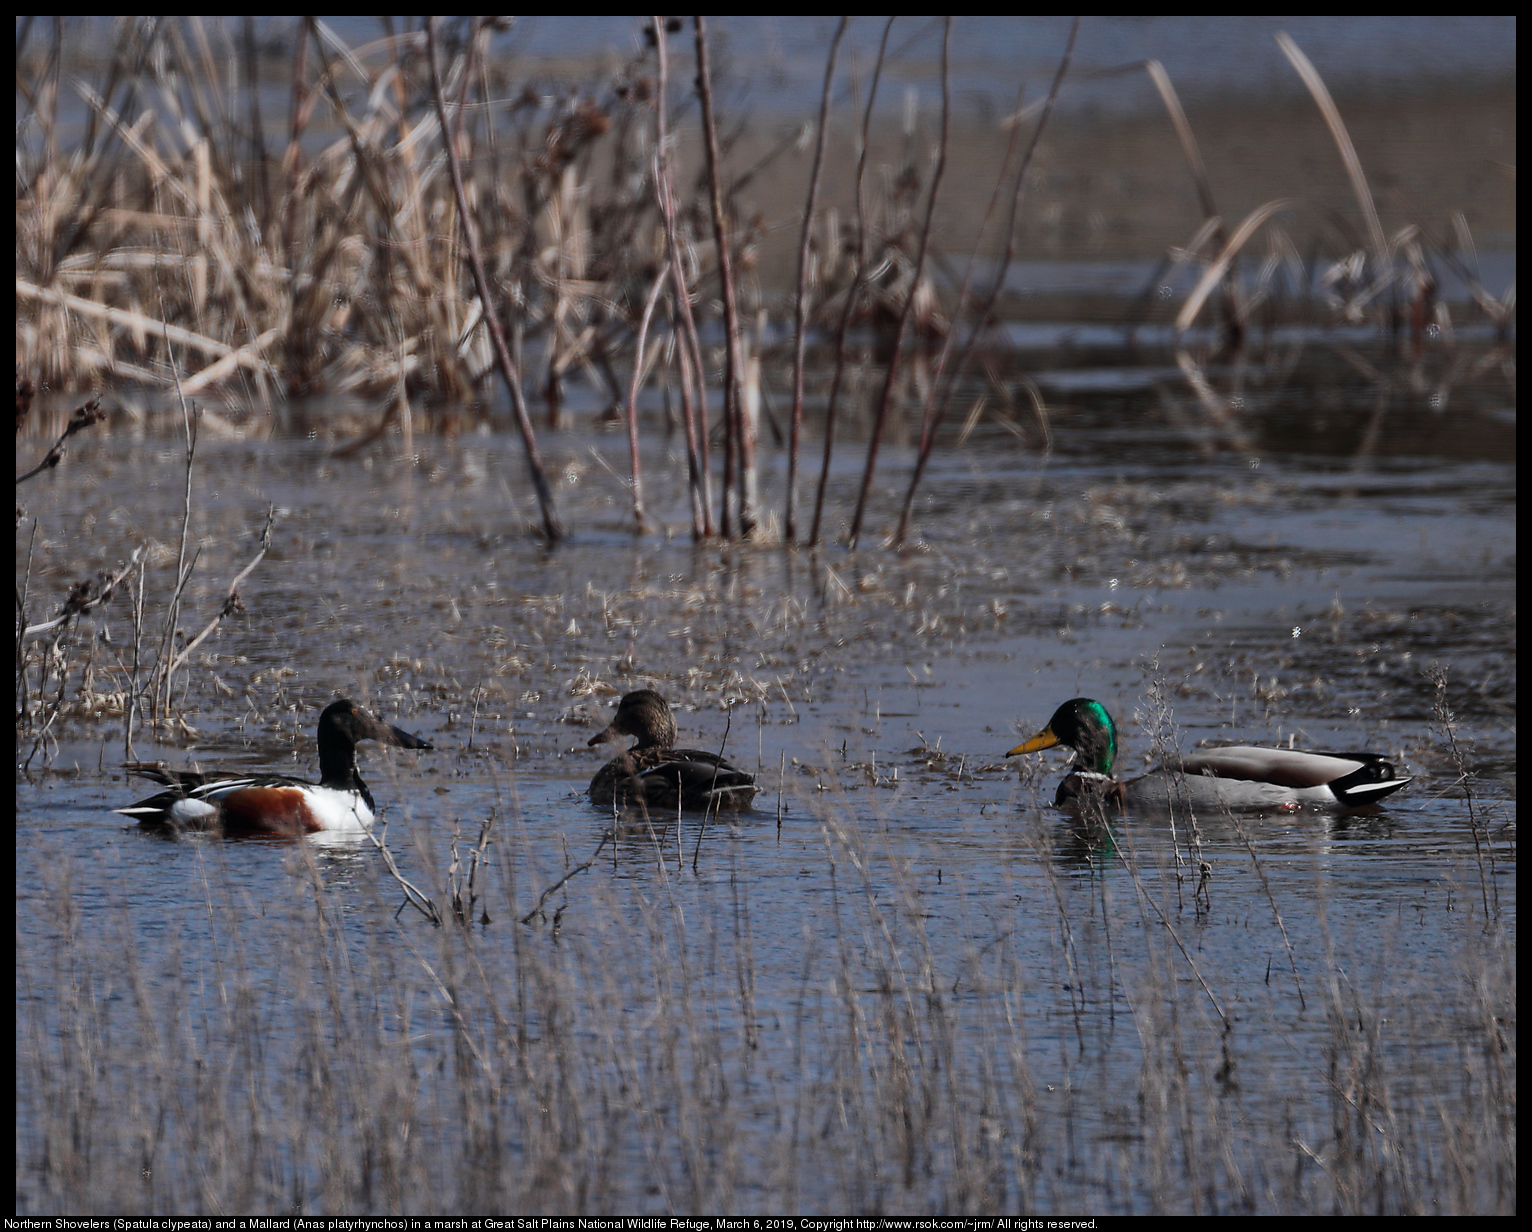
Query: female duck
<point>274,803</point>
<point>1237,776</point>
<point>656,773</point>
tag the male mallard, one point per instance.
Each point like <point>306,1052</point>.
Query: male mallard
<point>658,774</point>
<point>1237,776</point>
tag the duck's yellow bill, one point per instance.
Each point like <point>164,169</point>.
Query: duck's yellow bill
<point>1044,739</point>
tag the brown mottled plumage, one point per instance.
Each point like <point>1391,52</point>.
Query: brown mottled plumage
<point>657,773</point>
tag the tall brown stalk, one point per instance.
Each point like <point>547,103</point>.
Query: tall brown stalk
<point>690,352</point>
<point>800,315</point>
<point>552,530</point>
<point>931,423</point>
<point>696,472</point>
<point>891,380</point>
<point>857,281</point>
<point>739,435</point>
<point>164,669</point>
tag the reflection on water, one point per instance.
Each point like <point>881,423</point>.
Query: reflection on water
<point>915,986</point>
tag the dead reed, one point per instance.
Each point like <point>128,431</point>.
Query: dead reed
<point>372,250</point>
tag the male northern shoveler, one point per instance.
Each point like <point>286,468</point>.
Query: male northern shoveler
<point>658,774</point>
<point>1237,776</point>
<point>273,803</point>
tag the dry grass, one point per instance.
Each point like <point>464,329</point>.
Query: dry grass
<point>331,260</point>
<point>914,1046</point>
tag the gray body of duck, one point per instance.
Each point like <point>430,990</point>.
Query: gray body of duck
<point>656,773</point>
<point>1234,776</point>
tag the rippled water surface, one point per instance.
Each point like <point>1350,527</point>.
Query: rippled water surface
<point>902,982</point>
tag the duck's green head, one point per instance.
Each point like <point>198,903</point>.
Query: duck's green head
<point>1084,726</point>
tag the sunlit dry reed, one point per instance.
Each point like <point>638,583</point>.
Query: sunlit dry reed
<point>370,250</point>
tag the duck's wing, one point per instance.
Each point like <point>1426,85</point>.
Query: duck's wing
<point>185,780</point>
<point>190,801</point>
<point>208,784</point>
<point>702,756</point>
<point>239,804</point>
<point>701,778</point>
<point>670,778</point>
<point>1352,778</point>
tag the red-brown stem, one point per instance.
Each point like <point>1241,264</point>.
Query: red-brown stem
<point>800,316</point>
<point>853,291</point>
<point>552,531</point>
<point>701,520</point>
<point>928,438</point>
<point>891,381</point>
<point>739,437</point>
<point>704,435</point>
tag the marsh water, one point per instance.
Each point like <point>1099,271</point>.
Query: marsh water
<point>903,981</point>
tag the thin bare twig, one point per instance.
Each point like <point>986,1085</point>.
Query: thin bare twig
<point>891,378</point>
<point>1233,314</point>
<point>1337,126</point>
<point>1482,846</point>
<point>639,522</point>
<point>462,906</point>
<point>161,680</point>
<point>695,417</point>
<point>578,868</point>
<point>23,705</point>
<point>83,417</point>
<point>857,282</point>
<point>981,325</point>
<point>422,902</point>
<point>800,315</point>
<point>739,435</point>
<point>712,800</point>
<point>81,600</point>
<point>231,602</point>
<point>552,530</point>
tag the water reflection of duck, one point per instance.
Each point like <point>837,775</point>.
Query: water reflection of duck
<point>1237,776</point>
<point>274,803</point>
<point>657,773</point>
